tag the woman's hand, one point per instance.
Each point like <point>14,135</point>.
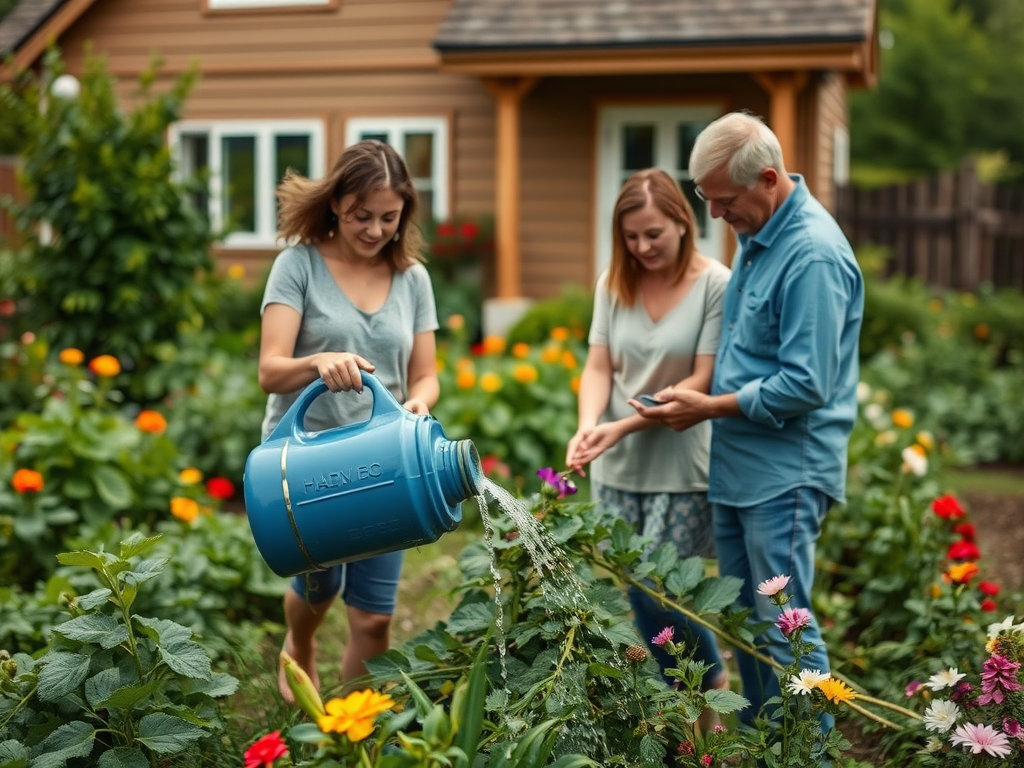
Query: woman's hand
<point>417,406</point>
<point>587,445</point>
<point>340,370</point>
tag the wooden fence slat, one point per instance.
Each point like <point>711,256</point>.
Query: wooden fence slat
<point>951,231</point>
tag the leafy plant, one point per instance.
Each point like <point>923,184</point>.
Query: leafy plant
<point>113,688</point>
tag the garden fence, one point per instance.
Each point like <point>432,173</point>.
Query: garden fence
<point>950,231</point>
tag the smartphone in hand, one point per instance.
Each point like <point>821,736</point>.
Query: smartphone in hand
<point>650,400</point>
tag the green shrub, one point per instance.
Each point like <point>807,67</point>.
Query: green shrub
<point>572,310</point>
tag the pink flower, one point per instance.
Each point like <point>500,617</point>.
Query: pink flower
<point>557,480</point>
<point>1013,729</point>
<point>772,586</point>
<point>998,678</point>
<point>793,619</point>
<point>912,688</point>
<point>707,761</point>
<point>663,637</point>
<point>686,748</point>
<point>265,751</point>
<point>980,739</point>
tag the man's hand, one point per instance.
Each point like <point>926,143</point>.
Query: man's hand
<point>681,410</point>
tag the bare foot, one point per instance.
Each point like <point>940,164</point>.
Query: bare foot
<point>305,658</point>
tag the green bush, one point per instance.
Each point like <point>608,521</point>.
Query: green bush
<point>122,270</point>
<point>573,310</point>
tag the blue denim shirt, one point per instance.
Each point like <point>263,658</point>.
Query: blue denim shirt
<point>791,323</point>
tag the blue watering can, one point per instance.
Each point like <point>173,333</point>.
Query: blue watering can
<point>316,499</point>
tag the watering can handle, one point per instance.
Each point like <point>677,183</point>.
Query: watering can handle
<point>383,402</point>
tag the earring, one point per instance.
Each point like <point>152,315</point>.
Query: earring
<point>397,237</point>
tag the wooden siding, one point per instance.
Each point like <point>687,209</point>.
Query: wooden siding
<point>831,114</point>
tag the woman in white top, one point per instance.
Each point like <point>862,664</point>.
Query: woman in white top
<point>657,318</point>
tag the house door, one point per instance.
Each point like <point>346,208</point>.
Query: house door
<point>634,138</point>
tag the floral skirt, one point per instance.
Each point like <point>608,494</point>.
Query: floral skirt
<point>682,519</point>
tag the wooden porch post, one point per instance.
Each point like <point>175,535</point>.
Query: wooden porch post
<point>508,93</point>
<point>783,88</point>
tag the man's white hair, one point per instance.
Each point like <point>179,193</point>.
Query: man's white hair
<point>740,140</point>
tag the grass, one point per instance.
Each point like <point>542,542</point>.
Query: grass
<point>1008,480</point>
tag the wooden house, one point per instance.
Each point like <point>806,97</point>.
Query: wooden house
<point>532,111</point>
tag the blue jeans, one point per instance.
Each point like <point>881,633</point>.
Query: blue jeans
<point>756,543</point>
<point>370,584</point>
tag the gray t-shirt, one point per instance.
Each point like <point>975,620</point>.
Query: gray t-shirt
<point>647,356</point>
<point>332,323</point>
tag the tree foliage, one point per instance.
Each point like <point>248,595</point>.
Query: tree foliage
<point>949,87</point>
<point>113,249</point>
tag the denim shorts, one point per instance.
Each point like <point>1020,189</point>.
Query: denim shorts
<point>370,585</point>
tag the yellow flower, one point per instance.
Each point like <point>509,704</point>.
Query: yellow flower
<point>105,365</point>
<point>236,271</point>
<point>456,322</point>
<point>525,373</point>
<point>151,421</point>
<point>902,418</point>
<point>926,440</point>
<point>520,349</point>
<point>464,364</point>
<point>919,449</point>
<point>551,354</point>
<point>71,356</point>
<point>885,438</point>
<point>447,687</point>
<point>575,384</point>
<point>836,690</point>
<point>353,715</point>
<point>184,508</point>
<point>490,382</point>
<point>560,334</point>
<point>493,345</point>
<point>465,379</point>
<point>439,365</point>
<point>190,476</point>
<point>568,359</point>
<point>961,573</point>
<point>935,305</point>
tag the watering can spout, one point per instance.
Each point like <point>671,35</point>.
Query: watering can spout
<point>316,499</point>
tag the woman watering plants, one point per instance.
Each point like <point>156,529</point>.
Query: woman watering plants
<point>656,323</point>
<point>351,295</point>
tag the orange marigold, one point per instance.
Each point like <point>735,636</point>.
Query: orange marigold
<point>551,353</point>
<point>575,384</point>
<point>105,365</point>
<point>902,418</point>
<point>525,373</point>
<point>493,345</point>
<point>490,382</point>
<point>569,360</point>
<point>465,379</point>
<point>27,481</point>
<point>184,508</point>
<point>151,421</point>
<point>71,356</point>
<point>190,476</point>
<point>981,331</point>
<point>961,573</point>
<point>560,333</point>
<point>520,349</point>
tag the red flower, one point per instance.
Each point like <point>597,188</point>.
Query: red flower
<point>493,466</point>
<point>963,550</point>
<point>988,588</point>
<point>220,488</point>
<point>948,508</point>
<point>469,230</point>
<point>265,751</point>
<point>966,530</point>
<point>988,605</point>
<point>476,349</point>
<point>27,481</point>
<point>446,230</point>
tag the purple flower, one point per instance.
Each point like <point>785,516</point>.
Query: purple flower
<point>793,619</point>
<point>558,480</point>
<point>998,679</point>
<point>664,636</point>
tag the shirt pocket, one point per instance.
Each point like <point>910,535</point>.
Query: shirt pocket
<point>757,329</point>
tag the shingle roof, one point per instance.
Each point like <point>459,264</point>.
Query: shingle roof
<point>480,25</point>
<point>24,19</point>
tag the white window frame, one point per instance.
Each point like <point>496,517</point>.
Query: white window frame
<point>264,132</point>
<point>611,122</point>
<point>395,127</point>
<point>218,5</point>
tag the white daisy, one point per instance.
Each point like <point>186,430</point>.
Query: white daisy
<point>945,679</point>
<point>806,681</point>
<point>941,716</point>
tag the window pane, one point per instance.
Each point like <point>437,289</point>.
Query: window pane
<point>364,135</point>
<point>239,153</point>
<point>419,154</point>
<point>291,152</point>
<point>686,134</point>
<point>195,169</point>
<point>426,200</point>
<point>637,147</point>
<point>700,208</point>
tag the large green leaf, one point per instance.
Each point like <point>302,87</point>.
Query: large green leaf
<point>61,673</point>
<point>74,739</point>
<point>187,658</point>
<point>123,757</point>
<point>716,594</point>
<point>166,734</point>
<point>113,487</point>
<point>103,630</point>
